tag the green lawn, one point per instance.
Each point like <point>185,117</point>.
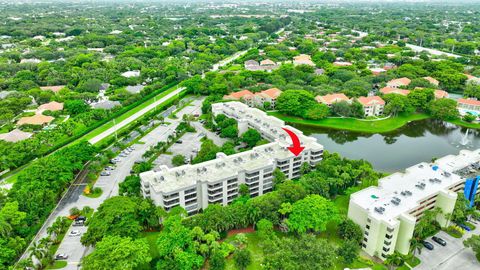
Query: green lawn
<point>57,265</point>
<point>254,246</point>
<point>124,116</point>
<point>352,124</point>
<point>462,123</point>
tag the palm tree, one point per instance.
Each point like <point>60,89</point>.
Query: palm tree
<point>394,259</point>
<point>415,245</point>
<point>38,252</point>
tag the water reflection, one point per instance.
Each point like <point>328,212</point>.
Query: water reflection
<point>415,142</point>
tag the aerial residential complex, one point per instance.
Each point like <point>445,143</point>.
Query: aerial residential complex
<point>194,187</point>
<point>388,213</point>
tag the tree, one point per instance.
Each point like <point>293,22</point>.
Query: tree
<point>178,160</point>
<point>242,258</point>
<point>394,259</point>
<point>444,109</point>
<point>415,246</point>
<point>130,186</point>
<point>278,177</point>
<point>420,98</point>
<point>317,111</point>
<point>251,137</point>
<point>474,243</point>
<point>305,252</point>
<point>90,85</point>
<point>472,89</point>
<point>349,230</point>
<point>312,213</point>
<point>265,229</point>
<point>348,250</point>
<point>341,108</point>
<point>76,106</point>
<point>243,190</point>
<point>116,216</point>
<point>397,104</point>
<point>217,261</point>
<point>295,102</point>
<point>115,252</point>
<point>460,211</point>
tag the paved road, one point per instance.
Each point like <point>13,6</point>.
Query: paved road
<point>416,48</point>
<point>453,256</point>
<point>134,116</point>
<point>109,184</point>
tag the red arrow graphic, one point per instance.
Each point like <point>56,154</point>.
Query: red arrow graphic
<point>296,149</point>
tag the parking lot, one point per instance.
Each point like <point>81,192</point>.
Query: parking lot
<point>188,148</point>
<point>452,256</point>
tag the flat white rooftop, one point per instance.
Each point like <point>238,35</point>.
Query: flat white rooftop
<point>402,192</point>
<point>453,163</point>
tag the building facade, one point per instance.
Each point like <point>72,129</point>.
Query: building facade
<point>194,187</point>
<point>389,212</point>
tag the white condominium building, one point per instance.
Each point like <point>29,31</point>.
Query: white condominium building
<point>388,213</point>
<point>194,187</point>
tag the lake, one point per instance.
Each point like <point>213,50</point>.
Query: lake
<point>394,151</point>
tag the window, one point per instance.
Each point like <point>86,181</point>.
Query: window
<point>369,220</point>
<point>386,249</point>
<point>364,245</point>
<point>387,243</point>
<point>388,236</point>
<point>389,229</point>
<point>383,255</point>
<point>368,227</point>
<point>365,239</point>
<point>366,232</point>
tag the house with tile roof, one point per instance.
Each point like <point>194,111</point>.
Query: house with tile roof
<point>269,95</point>
<point>396,83</point>
<point>432,80</point>
<point>342,64</point>
<point>372,105</point>
<point>53,88</point>
<point>468,105</point>
<point>472,79</point>
<point>391,90</point>
<point>15,135</point>
<point>51,106</point>
<point>37,119</point>
<point>244,95</point>
<point>332,98</point>
<point>438,93</point>
<point>303,59</point>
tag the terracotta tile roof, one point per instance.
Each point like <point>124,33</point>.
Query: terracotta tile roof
<point>391,90</point>
<point>38,119</point>
<point>15,136</point>
<point>303,59</point>
<point>431,80</point>
<point>51,106</point>
<point>332,98</point>
<point>55,88</point>
<point>472,102</point>
<point>342,64</point>
<point>399,82</point>
<point>239,95</point>
<point>267,62</point>
<point>438,93</point>
<point>368,101</point>
<point>470,77</point>
<point>272,93</point>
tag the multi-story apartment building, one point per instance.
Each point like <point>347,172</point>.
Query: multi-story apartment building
<point>194,187</point>
<point>388,213</point>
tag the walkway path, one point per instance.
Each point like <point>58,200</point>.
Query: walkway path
<point>134,116</point>
<point>416,48</point>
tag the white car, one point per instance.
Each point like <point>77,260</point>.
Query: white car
<point>74,233</point>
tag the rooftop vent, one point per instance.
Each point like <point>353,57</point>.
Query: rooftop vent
<point>420,186</point>
<point>379,210</point>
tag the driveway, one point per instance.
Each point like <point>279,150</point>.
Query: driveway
<point>109,185</point>
<point>453,256</point>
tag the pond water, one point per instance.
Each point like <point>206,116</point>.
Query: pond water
<point>394,151</point>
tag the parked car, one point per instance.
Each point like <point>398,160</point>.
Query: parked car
<point>74,233</point>
<point>179,141</point>
<point>109,168</point>
<point>105,173</point>
<point>427,245</point>
<point>439,241</point>
<point>122,155</point>
<point>465,227</point>
<point>81,218</point>
<point>61,256</point>
<point>78,223</point>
